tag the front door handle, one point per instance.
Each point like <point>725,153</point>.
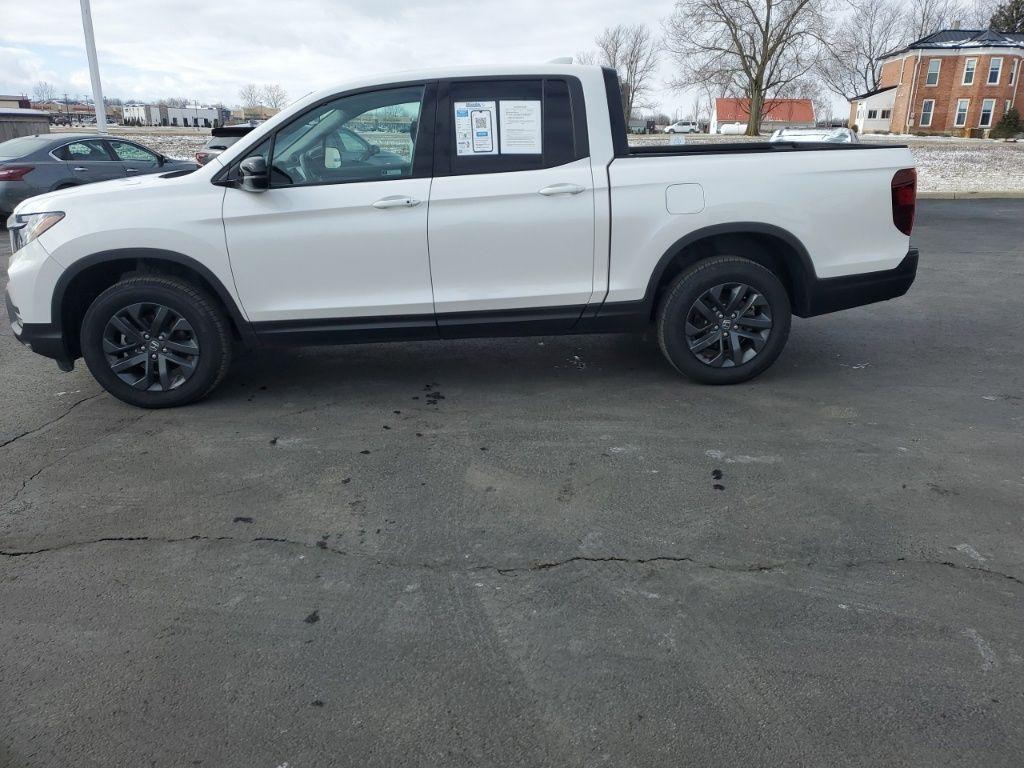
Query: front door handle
<point>396,201</point>
<point>80,169</point>
<point>561,189</point>
<point>132,170</point>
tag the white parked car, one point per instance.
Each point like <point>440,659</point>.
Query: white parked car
<point>825,135</point>
<point>479,202</point>
<point>683,126</point>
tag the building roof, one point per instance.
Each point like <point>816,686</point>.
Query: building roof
<point>875,92</point>
<point>946,39</point>
<point>775,110</point>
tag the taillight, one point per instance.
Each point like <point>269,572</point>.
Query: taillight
<point>14,172</point>
<point>904,199</point>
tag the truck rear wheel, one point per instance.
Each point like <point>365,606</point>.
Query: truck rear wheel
<point>723,320</point>
<point>156,342</point>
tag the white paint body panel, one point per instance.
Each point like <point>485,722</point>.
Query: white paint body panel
<point>324,251</point>
<point>836,202</point>
<point>496,243</point>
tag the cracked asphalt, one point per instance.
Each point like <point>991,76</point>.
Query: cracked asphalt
<point>536,552</point>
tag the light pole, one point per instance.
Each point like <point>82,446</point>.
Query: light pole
<point>94,68</point>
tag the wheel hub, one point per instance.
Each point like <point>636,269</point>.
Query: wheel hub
<point>151,347</point>
<point>728,325</point>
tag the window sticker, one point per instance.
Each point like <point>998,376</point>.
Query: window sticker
<point>520,128</point>
<point>475,124</point>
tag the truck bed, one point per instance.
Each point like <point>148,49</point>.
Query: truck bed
<point>749,147</point>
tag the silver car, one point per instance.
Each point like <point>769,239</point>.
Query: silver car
<point>821,135</point>
<point>33,165</point>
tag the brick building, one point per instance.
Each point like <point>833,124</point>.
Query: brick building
<point>957,81</point>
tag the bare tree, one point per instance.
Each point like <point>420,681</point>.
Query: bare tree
<point>177,102</point>
<point>759,45</point>
<point>250,96</point>
<point>850,64</point>
<point>274,96</point>
<point>44,91</point>
<point>923,17</point>
<point>631,51</point>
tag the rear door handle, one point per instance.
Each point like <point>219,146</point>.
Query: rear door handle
<point>396,201</point>
<point>561,189</point>
<point>132,170</point>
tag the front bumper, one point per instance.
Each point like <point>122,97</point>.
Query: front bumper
<point>837,293</point>
<point>44,339</point>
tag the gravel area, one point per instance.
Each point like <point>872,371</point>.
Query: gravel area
<point>944,164</point>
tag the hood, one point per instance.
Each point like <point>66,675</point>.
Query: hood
<point>55,201</point>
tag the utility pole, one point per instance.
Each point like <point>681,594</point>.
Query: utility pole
<point>94,68</point>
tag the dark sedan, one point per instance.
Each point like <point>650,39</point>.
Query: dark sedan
<point>33,165</point>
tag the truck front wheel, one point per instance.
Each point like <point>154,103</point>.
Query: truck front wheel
<point>156,341</point>
<point>723,320</point>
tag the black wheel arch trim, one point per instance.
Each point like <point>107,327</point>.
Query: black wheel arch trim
<point>800,288</point>
<point>238,320</point>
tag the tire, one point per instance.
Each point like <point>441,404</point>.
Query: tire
<point>195,330</point>
<point>748,347</point>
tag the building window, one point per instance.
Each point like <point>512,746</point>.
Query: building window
<point>995,70</point>
<point>933,72</point>
<point>969,66</point>
<point>988,106</point>
<point>1013,71</point>
<point>961,112</point>
<point>886,114</point>
<point>927,108</point>
<point>872,114</point>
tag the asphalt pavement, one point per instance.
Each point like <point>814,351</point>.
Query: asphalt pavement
<point>536,552</point>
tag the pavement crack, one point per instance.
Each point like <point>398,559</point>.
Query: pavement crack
<point>533,567</point>
<point>50,422</point>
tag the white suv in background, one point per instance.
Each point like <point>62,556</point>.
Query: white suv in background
<point>683,126</point>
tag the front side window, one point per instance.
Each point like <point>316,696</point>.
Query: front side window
<point>933,72</point>
<point>927,109</point>
<point>961,112</point>
<point>132,152</point>
<point>91,150</point>
<point>969,67</point>
<point>360,137</point>
<point>995,70</point>
<point>988,106</point>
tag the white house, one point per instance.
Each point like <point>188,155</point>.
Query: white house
<point>143,114</point>
<point>874,109</point>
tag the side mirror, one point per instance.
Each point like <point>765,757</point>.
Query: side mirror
<point>160,160</point>
<point>374,149</point>
<point>254,174</point>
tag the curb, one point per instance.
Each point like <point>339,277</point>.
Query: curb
<point>970,195</point>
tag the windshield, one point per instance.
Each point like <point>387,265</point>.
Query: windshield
<point>221,142</point>
<point>21,146</point>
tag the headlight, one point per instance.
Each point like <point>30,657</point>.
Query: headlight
<point>26,227</point>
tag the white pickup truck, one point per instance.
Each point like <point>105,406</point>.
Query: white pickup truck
<point>444,204</point>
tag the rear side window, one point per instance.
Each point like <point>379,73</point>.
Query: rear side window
<point>90,150</point>
<point>221,142</point>
<point>497,126</point>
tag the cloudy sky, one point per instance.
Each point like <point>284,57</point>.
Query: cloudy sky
<point>207,49</point>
